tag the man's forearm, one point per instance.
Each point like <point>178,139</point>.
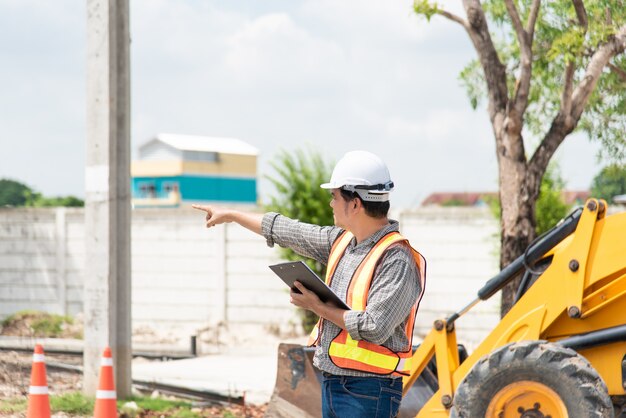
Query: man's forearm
<point>332,314</point>
<point>248,220</point>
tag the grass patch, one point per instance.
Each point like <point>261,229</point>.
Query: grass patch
<point>13,405</point>
<point>185,413</point>
<point>18,316</point>
<point>72,403</point>
<point>76,403</point>
<point>50,325</point>
<point>170,408</point>
<point>155,404</point>
<point>40,324</point>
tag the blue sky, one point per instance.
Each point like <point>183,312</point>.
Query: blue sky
<point>279,74</point>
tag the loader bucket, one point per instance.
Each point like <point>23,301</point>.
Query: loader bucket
<point>297,392</point>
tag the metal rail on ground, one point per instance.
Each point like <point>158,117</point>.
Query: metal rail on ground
<point>77,352</point>
<point>181,391</point>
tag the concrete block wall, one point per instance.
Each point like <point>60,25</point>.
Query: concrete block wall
<point>41,260</point>
<point>173,270</point>
<point>186,277</point>
<point>461,248</point>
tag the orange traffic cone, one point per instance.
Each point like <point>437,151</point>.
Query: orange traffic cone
<point>38,400</point>
<point>106,398</point>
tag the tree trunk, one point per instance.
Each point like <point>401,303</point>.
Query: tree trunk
<point>518,193</point>
<point>512,246</point>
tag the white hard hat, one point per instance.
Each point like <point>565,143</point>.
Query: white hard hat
<point>364,173</point>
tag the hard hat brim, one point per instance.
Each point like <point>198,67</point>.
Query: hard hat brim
<point>369,196</point>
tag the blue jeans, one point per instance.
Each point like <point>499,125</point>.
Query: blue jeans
<point>360,397</point>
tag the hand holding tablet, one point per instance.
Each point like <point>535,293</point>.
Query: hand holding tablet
<point>297,270</point>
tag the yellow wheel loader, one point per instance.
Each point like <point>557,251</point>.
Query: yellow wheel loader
<point>559,352</point>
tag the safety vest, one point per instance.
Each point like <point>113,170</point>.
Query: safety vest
<point>361,355</point>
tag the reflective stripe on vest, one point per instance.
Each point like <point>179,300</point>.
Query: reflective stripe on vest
<point>336,251</point>
<point>362,355</point>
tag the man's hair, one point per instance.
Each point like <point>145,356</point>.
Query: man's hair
<point>374,209</point>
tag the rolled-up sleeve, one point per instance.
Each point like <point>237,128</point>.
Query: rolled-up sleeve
<point>309,240</point>
<point>395,288</point>
<point>267,227</point>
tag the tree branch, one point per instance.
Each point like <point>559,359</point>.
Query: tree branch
<point>520,99</point>
<point>517,22</point>
<point>581,13</point>
<point>620,73</point>
<point>427,9</point>
<point>570,69</point>
<point>454,18</point>
<point>566,96</point>
<point>538,164</point>
<point>532,19</point>
<point>616,45</point>
<point>564,123</point>
<point>495,71</point>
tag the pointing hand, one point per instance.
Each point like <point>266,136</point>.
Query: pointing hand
<point>214,215</point>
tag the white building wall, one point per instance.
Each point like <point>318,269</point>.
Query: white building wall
<point>187,277</point>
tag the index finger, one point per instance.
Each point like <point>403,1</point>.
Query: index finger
<point>201,207</point>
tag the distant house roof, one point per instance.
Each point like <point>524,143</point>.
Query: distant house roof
<point>575,196</point>
<point>458,198</point>
<point>205,144</point>
<point>570,197</point>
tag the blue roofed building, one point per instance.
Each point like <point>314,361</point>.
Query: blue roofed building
<point>176,169</point>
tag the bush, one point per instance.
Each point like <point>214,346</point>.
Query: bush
<point>299,196</point>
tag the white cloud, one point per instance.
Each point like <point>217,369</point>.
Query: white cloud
<point>338,74</point>
<point>429,129</point>
<point>273,50</point>
<point>373,20</point>
<point>181,35</point>
<point>443,125</point>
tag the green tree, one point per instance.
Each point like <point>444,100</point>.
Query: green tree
<point>14,193</point>
<point>610,182</point>
<point>299,196</point>
<point>545,69</point>
<point>67,201</point>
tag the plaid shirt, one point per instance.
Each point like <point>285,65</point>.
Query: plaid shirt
<point>394,289</point>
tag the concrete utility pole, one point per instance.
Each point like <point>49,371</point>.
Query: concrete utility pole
<point>107,189</point>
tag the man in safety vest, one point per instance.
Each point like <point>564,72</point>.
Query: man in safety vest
<point>362,352</point>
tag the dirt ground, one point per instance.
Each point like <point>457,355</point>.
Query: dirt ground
<point>15,368</point>
<point>15,371</point>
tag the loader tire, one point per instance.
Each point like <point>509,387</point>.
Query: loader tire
<point>532,379</point>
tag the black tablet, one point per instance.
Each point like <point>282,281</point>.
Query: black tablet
<point>297,270</point>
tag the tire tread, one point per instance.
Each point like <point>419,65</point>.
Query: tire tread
<point>532,358</point>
